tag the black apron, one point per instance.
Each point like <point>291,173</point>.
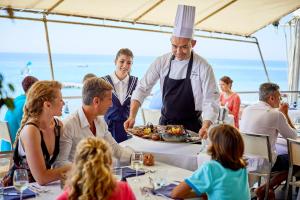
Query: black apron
<point>178,101</point>
<point>118,113</point>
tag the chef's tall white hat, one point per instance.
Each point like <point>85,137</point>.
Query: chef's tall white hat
<point>184,21</point>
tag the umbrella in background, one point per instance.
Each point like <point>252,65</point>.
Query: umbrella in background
<point>294,63</point>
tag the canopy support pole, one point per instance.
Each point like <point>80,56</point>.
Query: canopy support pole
<point>262,59</point>
<point>48,46</point>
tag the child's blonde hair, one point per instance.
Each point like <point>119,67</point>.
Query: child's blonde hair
<point>91,177</point>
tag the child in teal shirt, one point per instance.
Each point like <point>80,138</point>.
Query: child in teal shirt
<point>225,176</point>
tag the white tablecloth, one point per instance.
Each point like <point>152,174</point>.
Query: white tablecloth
<point>171,173</point>
<point>181,155</point>
<point>52,190</point>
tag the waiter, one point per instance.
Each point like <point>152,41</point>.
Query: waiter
<point>187,81</point>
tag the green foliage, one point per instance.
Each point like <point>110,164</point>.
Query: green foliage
<point>4,94</point>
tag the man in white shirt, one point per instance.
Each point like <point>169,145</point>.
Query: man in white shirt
<point>88,121</point>
<point>187,81</point>
<point>270,117</point>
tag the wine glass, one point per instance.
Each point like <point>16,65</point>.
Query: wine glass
<point>118,173</point>
<point>137,160</point>
<point>20,180</point>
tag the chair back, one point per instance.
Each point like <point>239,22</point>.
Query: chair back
<point>6,159</point>
<point>294,152</point>
<point>257,145</point>
<point>5,137</point>
<point>151,115</point>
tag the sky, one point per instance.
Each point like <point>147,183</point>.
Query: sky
<point>29,37</point>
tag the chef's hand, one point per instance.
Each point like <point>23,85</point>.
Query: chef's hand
<point>129,123</point>
<point>203,132</point>
<point>148,159</point>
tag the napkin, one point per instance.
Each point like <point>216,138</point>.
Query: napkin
<point>11,190</point>
<point>128,172</point>
<point>165,190</point>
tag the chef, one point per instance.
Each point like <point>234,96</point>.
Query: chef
<point>189,91</point>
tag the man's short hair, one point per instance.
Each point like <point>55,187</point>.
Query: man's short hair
<point>27,82</point>
<point>94,87</point>
<point>88,76</point>
<point>266,90</point>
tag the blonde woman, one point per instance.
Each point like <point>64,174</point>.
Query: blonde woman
<point>92,177</point>
<point>37,140</point>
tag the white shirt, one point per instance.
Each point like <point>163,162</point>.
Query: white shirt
<point>76,128</point>
<point>120,86</point>
<point>205,90</point>
<point>261,118</point>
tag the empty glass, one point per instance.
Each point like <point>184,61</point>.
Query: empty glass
<point>20,180</point>
<point>118,173</point>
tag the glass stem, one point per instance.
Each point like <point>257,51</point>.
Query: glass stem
<point>21,195</point>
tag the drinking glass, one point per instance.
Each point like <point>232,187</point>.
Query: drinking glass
<point>204,145</point>
<point>118,173</point>
<point>20,180</point>
<point>137,162</point>
<point>160,178</point>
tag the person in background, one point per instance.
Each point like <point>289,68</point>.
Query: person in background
<point>87,121</point>
<point>230,99</point>
<point>187,81</point>
<point>123,85</point>
<point>225,175</point>
<point>270,117</point>
<point>14,117</point>
<point>37,140</point>
<point>87,76</point>
<point>92,177</point>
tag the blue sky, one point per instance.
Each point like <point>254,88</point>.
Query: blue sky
<point>28,36</point>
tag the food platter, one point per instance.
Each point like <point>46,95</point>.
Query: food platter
<point>168,133</point>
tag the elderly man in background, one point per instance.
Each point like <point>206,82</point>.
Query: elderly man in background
<point>14,117</point>
<point>187,81</point>
<point>270,117</point>
<point>88,121</point>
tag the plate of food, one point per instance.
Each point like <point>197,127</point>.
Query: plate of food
<point>168,133</point>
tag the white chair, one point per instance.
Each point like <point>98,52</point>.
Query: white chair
<point>6,158</point>
<point>258,145</point>
<point>5,136</point>
<point>151,116</point>
<point>294,160</point>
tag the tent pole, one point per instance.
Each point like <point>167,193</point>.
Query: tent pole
<point>262,59</point>
<point>48,46</point>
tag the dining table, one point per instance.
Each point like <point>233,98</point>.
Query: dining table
<point>159,171</point>
<point>170,175</point>
<point>182,155</point>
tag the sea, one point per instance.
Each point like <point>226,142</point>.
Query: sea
<point>70,69</point>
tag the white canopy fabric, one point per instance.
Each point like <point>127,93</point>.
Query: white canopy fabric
<point>238,17</point>
<point>294,62</point>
